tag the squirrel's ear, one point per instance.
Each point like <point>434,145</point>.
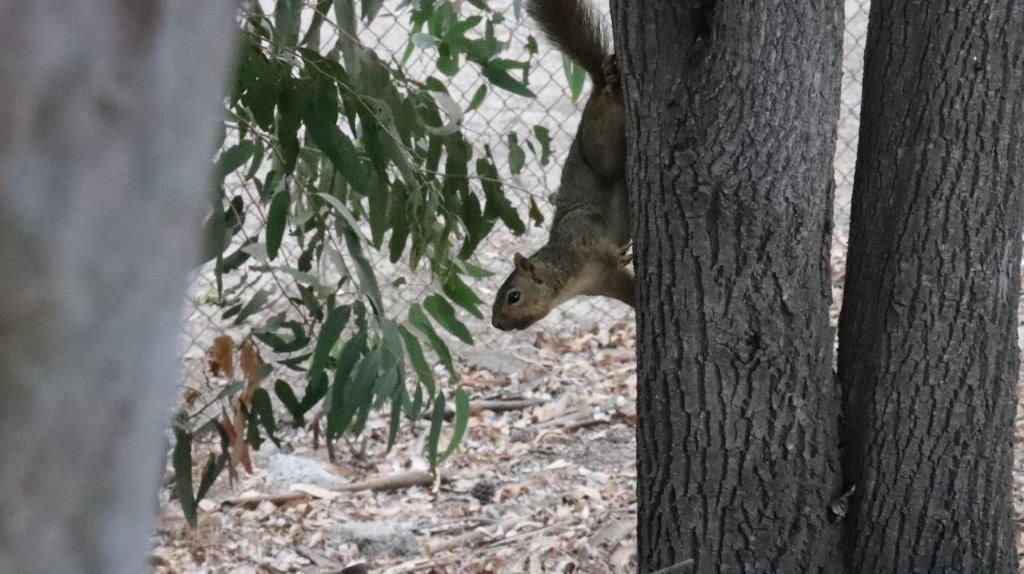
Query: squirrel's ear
<point>523,265</point>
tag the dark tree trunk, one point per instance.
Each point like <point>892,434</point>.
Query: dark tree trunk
<point>108,111</point>
<point>732,109</point>
<point>928,345</point>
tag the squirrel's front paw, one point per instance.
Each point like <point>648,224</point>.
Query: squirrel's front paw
<point>610,67</point>
<point>626,255</point>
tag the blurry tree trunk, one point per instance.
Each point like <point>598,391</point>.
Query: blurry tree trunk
<point>732,108</point>
<point>107,117</point>
<point>928,352</point>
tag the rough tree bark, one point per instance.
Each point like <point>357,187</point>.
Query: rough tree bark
<point>732,108</point>
<point>928,344</point>
<point>107,116</point>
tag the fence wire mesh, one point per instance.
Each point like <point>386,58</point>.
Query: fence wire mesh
<point>489,125</point>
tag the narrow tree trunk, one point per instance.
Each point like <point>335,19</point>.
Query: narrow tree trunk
<point>732,110</point>
<point>928,344</point>
<point>107,116</point>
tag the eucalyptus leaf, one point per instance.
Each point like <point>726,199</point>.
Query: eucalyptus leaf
<point>419,320</point>
<point>444,314</point>
<point>277,218</point>
<point>330,331</point>
<point>501,78</point>
<point>182,462</point>
<point>434,434</point>
<point>461,423</point>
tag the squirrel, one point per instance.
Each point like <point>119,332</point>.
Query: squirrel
<point>588,245</point>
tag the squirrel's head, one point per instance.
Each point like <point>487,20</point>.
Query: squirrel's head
<point>525,297</point>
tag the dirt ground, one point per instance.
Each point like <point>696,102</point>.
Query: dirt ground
<point>544,487</point>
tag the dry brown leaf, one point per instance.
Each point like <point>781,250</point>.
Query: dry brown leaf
<point>558,464</point>
<point>190,396</point>
<point>251,362</point>
<point>236,433</point>
<point>315,491</point>
<point>222,353</point>
<point>620,558</point>
<point>588,492</point>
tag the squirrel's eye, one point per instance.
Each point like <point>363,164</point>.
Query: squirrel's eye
<point>513,297</point>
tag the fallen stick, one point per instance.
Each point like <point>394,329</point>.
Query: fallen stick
<point>502,405</point>
<point>319,559</point>
<point>380,484</point>
<point>583,414</point>
<point>494,405</point>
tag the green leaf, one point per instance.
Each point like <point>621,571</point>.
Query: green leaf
<point>576,77</point>
<point>462,295</point>
<point>516,155</point>
<point>319,15</point>
<point>230,390</point>
<point>257,160</point>
<point>386,384</point>
<point>535,213</point>
<point>367,278</point>
<point>499,77</point>
<point>478,98</point>
<point>320,119</point>
<point>263,411</point>
<point>286,395</point>
<point>444,314</point>
<point>286,21</point>
<point>232,159</point>
<point>339,415</point>
<point>182,461</point>
<point>418,319</point>
<point>296,342</point>
<point>370,9</point>
<point>418,360</point>
<point>461,422</point>
<point>398,219</point>
<point>315,390</point>
<point>344,212</point>
<point>498,204</point>
<point>544,138</point>
<point>476,271</point>
<point>291,107</point>
<point>330,331</point>
<point>423,41</point>
<point>214,466</point>
<point>360,393</point>
<point>392,341</point>
<point>258,301</point>
<point>277,218</point>
<point>434,435</point>
<point>396,418</point>
<point>378,204</point>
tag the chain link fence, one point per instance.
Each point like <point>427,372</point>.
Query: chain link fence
<point>501,114</point>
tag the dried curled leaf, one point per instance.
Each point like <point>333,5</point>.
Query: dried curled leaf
<point>251,362</point>
<point>222,357</point>
<point>190,396</point>
<point>236,436</point>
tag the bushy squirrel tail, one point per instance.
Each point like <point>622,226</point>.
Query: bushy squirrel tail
<point>577,29</point>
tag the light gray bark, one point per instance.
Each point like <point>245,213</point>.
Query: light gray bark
<point>107,116</point>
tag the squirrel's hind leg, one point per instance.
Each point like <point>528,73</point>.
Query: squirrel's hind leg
<point>610,68</point>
